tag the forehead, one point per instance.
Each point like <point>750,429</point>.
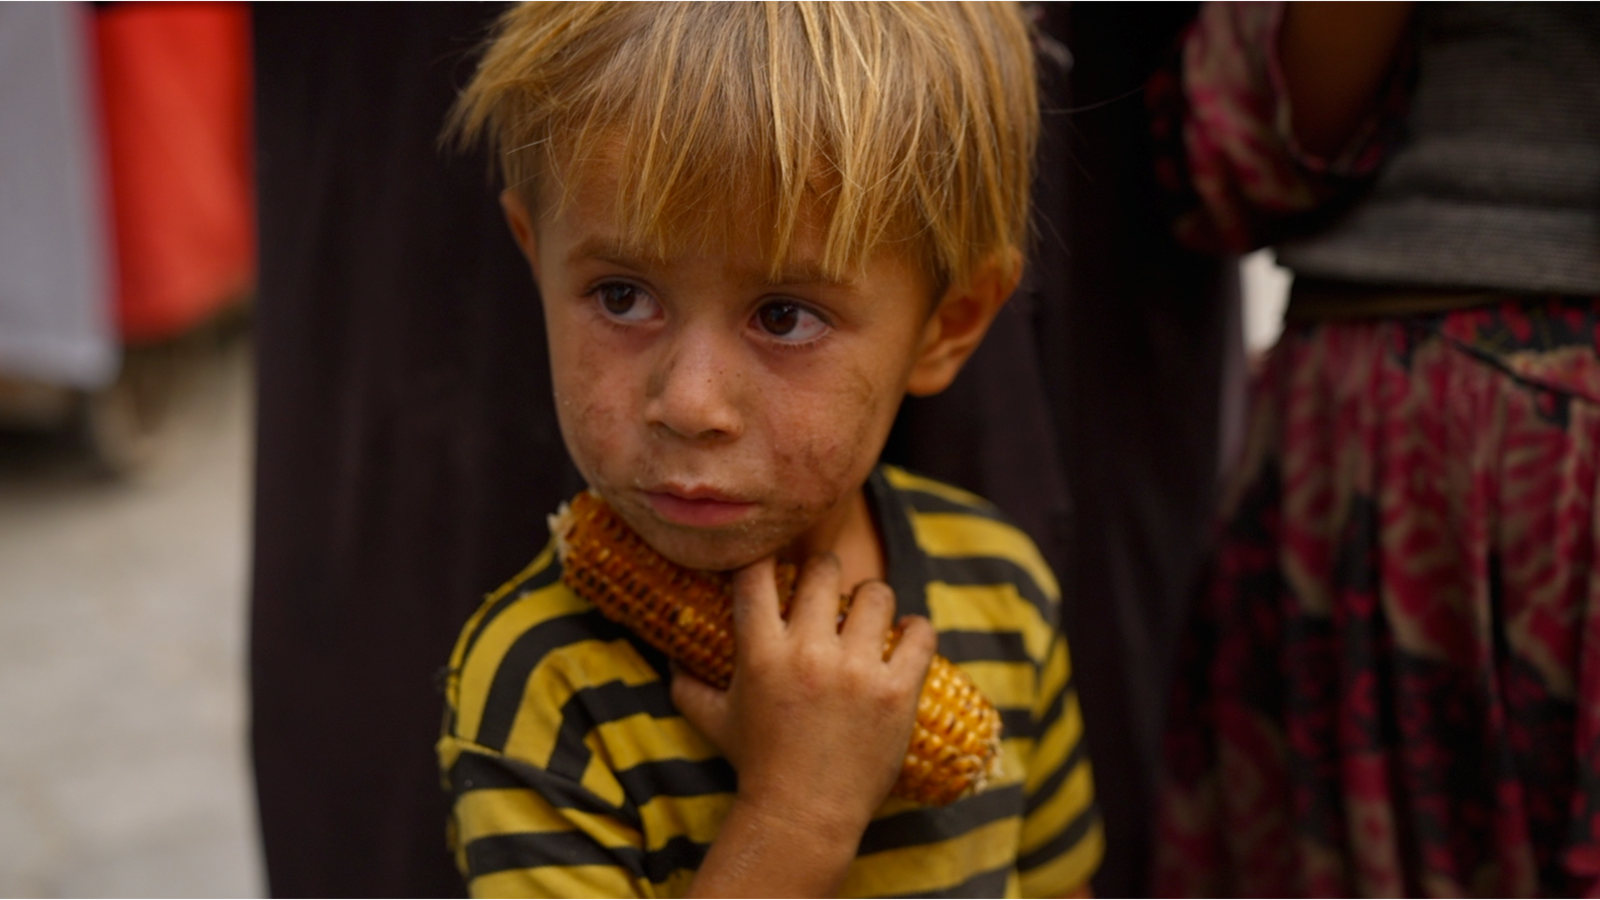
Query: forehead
<point>807,236</point>
<point>586,213</point>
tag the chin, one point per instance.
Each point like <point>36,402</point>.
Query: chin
<point>701,552</point>
<point>721,550</point>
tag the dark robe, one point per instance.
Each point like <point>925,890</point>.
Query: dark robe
<point>408,452</point>
<point>1091,413</point>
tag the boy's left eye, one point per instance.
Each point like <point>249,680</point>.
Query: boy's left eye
<point>626,303</point>
<point>790,322</point>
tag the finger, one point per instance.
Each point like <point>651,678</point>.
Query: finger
<point>916,647</point>
<point>755,604</point>
<point>816,598</point>
<point>871,613</point>
<point>704,706</point>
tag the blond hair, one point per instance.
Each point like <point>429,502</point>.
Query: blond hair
<point>871,123</point>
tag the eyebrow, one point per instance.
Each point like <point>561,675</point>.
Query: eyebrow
<point>610,250</point>
<point>803,273</point>
<point>619,253</point>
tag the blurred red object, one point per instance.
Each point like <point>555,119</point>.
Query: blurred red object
<point>176,104</point>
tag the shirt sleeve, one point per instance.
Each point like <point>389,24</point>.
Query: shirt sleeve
<point>521,831</point>
<point>1226,151</point>
<point>1062,838</point>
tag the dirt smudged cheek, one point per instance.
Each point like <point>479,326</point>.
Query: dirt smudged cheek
<point>591,412</point>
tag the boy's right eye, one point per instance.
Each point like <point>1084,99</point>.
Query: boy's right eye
<point>625,302</point>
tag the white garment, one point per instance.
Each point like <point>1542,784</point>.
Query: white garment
<point>56,257</point>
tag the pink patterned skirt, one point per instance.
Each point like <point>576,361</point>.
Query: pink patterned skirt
<point>1392,684</point>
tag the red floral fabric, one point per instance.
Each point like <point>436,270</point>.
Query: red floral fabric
<point>1392,684</point>
<point>1227,153</point>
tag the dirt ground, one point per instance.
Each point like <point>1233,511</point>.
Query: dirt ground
<point>123,765</point>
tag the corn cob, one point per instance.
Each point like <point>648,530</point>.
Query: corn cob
<point>687,614</point>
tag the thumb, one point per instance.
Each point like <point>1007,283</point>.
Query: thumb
<point>705,707</point>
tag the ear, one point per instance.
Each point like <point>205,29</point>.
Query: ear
<point>521,222</point>
<point>960,321</point>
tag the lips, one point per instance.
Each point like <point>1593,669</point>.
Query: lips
<point>699,507</point>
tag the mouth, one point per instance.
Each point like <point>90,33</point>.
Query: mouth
<point>697,507</point>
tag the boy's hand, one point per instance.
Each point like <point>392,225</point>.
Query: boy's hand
<point>816,723</point>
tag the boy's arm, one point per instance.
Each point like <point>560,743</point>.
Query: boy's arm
<point>518,830</point>
<point>816,723</point>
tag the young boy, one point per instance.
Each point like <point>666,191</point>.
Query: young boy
<point>755,228</point>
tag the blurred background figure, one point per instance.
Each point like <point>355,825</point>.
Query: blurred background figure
<point>1389,686</point>
<point>126,216</point>
<point>408,451</point>
<point>126,254</point>
<point>56,323</point>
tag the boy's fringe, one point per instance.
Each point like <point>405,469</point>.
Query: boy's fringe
<point>862,125</point>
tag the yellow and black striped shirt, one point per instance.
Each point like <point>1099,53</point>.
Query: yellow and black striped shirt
<point>573,775</point>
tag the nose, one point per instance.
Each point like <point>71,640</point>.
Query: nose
<point>693,392</point>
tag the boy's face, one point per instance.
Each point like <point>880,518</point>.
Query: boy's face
<point>726,417</point>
